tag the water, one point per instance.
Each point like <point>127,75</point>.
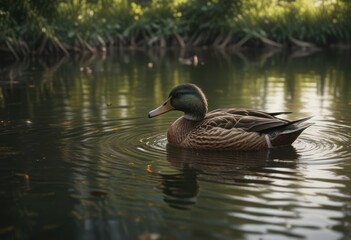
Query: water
<point>81,160</point>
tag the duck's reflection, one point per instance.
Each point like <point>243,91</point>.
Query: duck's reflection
<point>181,189</point>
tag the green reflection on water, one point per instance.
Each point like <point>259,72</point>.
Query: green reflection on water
<point>316,83</point>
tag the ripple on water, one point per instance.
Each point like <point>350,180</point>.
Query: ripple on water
<point>130,141</point>
<point>324,143</point>
<point>117,140</point>
<point>264,189</point>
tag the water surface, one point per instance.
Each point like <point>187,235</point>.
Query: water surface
<point>81,160</point>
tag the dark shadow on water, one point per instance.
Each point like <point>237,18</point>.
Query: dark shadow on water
<point>180,190</point>
<point>226,167</point>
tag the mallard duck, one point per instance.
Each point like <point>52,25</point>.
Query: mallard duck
<point>224,129</point>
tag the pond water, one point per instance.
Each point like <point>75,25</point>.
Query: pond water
<point>79,159</point>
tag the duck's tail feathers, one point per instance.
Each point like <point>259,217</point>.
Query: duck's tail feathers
<point>301,120</point>
<point>288,134</point>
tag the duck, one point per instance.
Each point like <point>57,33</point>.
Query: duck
<point>194,60</point>
<point>225,128</point>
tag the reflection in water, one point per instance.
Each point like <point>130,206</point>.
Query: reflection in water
<point>180,190</point>
<point>238,167</point>
<point>223,161</point>
<point>78,129</point>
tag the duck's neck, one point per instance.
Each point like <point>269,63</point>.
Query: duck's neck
<point>196,110</point>
<point>193,105</point>
<point>194,116</point>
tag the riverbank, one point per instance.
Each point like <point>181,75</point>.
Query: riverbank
<point>64,28</point>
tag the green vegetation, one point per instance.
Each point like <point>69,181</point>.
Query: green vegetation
<point>64,26</point>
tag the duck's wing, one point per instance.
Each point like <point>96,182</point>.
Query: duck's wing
<point>249,112</point>
<point>223,130</point>
<point>252,127</point>
<point>248,120</point>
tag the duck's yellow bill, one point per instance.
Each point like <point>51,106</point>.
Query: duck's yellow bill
<point>165,107</point>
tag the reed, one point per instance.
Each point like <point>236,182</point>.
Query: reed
<point>68,26</point>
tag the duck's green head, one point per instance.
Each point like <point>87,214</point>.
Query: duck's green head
<point>187,98</point>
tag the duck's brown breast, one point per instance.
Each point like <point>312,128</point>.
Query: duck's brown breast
<point>180,129</point>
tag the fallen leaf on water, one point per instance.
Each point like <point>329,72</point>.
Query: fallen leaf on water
<point>23,175</point>
<point>148,168</point>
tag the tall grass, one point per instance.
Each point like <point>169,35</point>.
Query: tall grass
<point>65,26</point>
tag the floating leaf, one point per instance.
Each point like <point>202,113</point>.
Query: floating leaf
<point>23,175</point>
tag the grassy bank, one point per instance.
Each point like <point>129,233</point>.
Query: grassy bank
<point>62,27</point>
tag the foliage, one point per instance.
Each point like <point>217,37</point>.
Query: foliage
<point>63,26</point>
<point>19,10</point>
<point>319,22</point>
